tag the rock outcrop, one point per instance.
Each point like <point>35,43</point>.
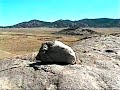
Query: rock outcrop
<point>78,31</point>
<point>98,67</point>
<point>56,52</point>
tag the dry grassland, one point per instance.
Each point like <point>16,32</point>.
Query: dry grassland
<point>17,41</point>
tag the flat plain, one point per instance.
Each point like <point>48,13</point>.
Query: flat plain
<point>19,41</point>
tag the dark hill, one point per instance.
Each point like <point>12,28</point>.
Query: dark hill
<point>77,31</point>
<point>100,22</point>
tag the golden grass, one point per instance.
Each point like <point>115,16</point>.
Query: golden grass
<point>24,40</point>
<point>18,41</point>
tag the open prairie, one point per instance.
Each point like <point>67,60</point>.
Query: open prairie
<point>18,41</point>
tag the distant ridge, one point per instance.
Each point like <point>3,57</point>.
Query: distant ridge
<point>100,22</point>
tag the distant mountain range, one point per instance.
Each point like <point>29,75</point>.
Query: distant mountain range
<point>100,22</point>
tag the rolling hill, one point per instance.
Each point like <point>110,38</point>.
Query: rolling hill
<point>100,22</point>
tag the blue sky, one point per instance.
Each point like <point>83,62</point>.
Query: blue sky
<point>15,11</point>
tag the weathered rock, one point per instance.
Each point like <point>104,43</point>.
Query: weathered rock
<point>16,74</point>
<point>56,52</point>
<point>98,69</point>
<point>91,50</point>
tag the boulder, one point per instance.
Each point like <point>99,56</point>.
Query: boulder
<point>56,52</point>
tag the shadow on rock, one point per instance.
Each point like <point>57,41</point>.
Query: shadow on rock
<point>37,64</point>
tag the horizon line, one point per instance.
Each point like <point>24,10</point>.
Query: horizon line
<point>55,20</point>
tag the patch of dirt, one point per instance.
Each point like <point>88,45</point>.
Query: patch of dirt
<point>4,54</point>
